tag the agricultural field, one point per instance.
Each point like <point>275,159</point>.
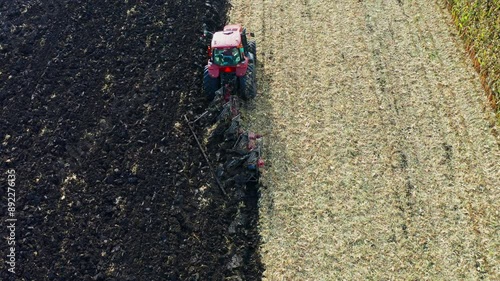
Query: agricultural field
<point>479,24</point>
<point>383,151</point>
<point>110,184</point>
<point>382,148</point>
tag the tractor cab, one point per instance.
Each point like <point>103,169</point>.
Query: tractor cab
<point>227,49</point>
<point>227,56</point>
<point>231,60</point>
<point>243,33</point>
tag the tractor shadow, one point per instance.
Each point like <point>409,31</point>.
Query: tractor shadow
<point>258,118</point>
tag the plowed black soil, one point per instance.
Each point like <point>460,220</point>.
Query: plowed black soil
<point>110,183</point>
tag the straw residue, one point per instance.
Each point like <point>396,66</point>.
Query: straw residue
<point>382,163</point>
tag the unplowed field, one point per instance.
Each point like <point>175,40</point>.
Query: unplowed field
<point>384,160</point>
<point>110,184</point>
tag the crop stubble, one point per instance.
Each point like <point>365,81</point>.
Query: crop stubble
<point>383,161</point>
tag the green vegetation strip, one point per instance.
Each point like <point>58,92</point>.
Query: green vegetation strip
<point>479,24</point>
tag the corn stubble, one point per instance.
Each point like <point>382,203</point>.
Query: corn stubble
<point>382,163</point>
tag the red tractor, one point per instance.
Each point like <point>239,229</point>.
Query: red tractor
<point>231,64</point>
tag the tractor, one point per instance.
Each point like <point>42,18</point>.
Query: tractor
<point>231,64</point>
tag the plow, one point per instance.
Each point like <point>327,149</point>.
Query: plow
<point>229,78</point>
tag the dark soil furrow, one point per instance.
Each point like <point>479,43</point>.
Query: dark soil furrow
<point>111,185</point>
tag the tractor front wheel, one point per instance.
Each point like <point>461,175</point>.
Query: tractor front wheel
<point>252,48</point>
<point>210,85</point>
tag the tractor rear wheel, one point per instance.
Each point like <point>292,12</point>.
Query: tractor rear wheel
<point>210,85</point>
<point>248,85</point>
